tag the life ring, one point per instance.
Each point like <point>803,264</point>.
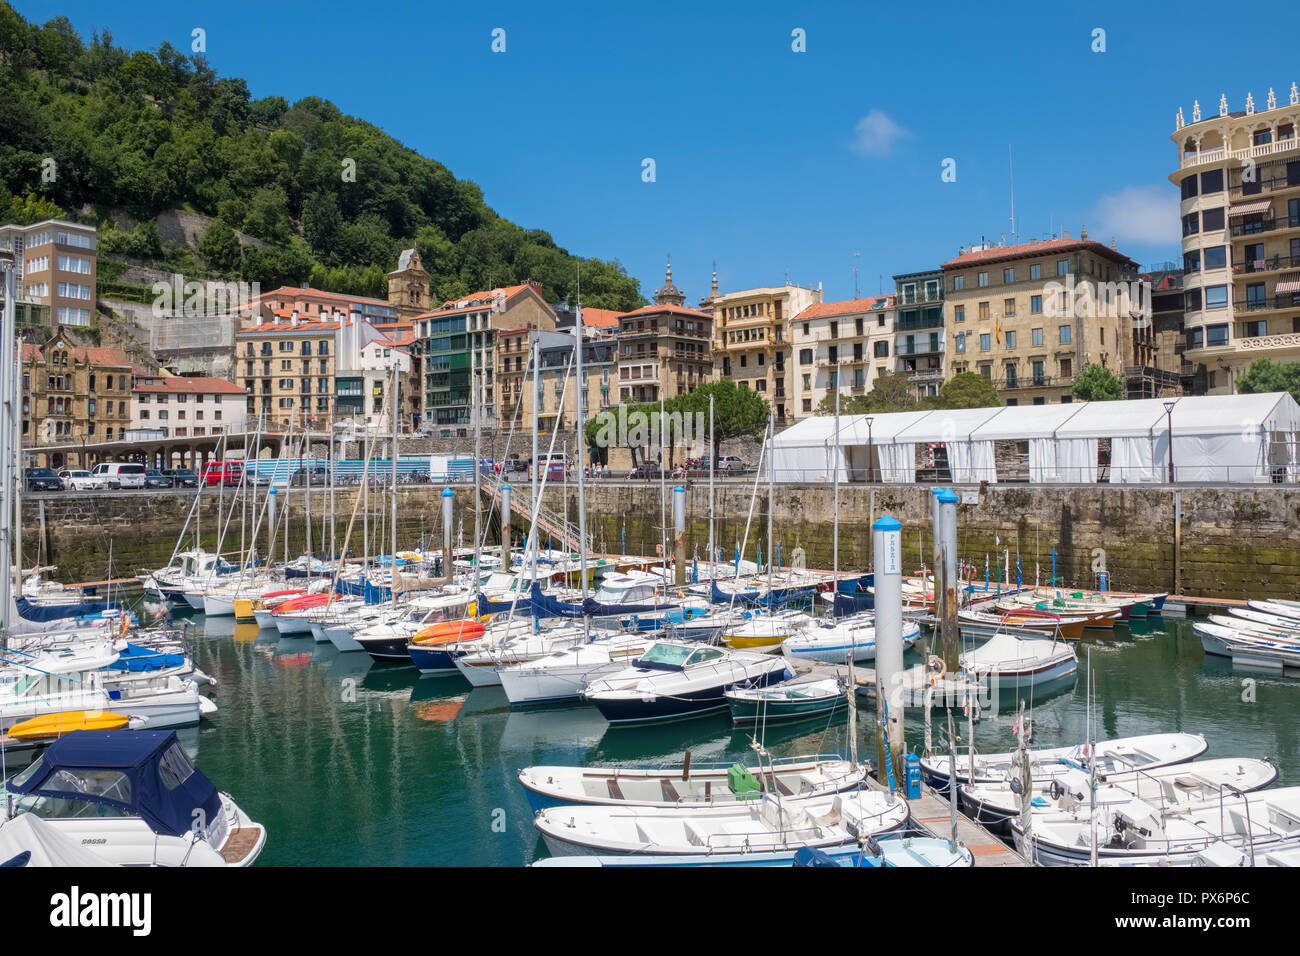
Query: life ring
<point>936,664</point>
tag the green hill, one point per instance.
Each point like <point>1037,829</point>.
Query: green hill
<point>141,133</point>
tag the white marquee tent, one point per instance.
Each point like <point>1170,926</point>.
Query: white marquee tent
<point>1221,438</point>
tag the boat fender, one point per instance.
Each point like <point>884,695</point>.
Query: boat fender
<point>937,668</point>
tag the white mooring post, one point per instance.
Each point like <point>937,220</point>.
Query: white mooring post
<point>887,548</point>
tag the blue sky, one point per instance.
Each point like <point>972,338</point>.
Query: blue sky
<point>767,160</point>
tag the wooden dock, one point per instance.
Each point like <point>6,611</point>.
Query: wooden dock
<point>932,813</point>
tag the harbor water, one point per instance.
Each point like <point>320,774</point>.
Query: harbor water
<point>352,763</point>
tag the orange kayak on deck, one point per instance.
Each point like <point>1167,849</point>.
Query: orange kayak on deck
<point>56,725</point>
<point>448,632</point>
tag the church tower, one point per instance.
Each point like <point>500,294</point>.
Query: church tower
<point>669,294</point>
<point>408,286</point>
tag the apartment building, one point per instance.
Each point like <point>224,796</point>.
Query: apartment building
<point>286,367</point>
<point>920,343</point>
<point>364,360</point>
<point>1239,179</point>
<point>457,343</point>
<point>664,349</point>
<point>56,270</point>
<point>842,345</point>
<point>751,340</point>
<point>181,406</point>
<point>73,395</point>
<point>312,303</point>
<point>1030,317</point>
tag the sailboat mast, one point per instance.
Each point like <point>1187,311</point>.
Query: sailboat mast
<point>392,520</point>
<point>771,488</point>
<point>581,448</point>
<point>713,466</point>
<point>478,521</point>
<point>9,453</point>
<point>835,533</point>
<point>537,395</point>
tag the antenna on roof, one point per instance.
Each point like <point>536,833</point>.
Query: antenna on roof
<point>1011,174</point>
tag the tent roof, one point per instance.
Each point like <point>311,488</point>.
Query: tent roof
<point>1204,415</point>
<point>1232,414</point>
<point>1122,419</point>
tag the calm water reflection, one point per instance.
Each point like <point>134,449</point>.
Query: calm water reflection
<point>348,762</point>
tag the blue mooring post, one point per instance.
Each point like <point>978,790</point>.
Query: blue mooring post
<point>622,537</point>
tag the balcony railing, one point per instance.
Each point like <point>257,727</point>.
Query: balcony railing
<point>827,362</point>
<point>1264,185</point>
<point>1219,154</point>
<point>1028,381</point>
<point>920,348</point>
<point>1267,264</point>
<point>926,375</point>
<point>904,299</point>
<point>1256,343</point>
<point>1255,227</point>
<point>1266,303</point>
<point>912,325</point>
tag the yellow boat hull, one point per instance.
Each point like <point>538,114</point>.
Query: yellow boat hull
<point>244,609</point>
<point>745,643</point>
<point>56,725</point>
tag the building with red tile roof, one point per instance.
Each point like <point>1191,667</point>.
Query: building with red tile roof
<point>187,406</point>
<point>664,349</point>
<point>843,345</point>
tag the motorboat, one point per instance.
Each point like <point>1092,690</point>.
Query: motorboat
<point>833,640</point>
<point>135,797</point>
<point>678,679</point>
<point>387,639</point>
<point>482,665</point>
<point>996,804</point>
<point>983,621</point>
<point>563,674</point>
<point>688,784</point>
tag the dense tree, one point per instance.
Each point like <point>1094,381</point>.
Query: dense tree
<point>1096,383</point>
<point>1265,375</point>
<point>968,390</point>
<point>143,132</point>
<point>220,246</point>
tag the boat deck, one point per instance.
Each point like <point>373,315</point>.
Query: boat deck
<point>240,844</point>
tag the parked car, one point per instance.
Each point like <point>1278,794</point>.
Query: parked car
<point>319,475</point>
<point>153,478</point>
<point>514,467</point>
<point>116,474</point>
<point>223,473</point>
<point>182,477</point>
<point>79,480</point>
<point>42,479</point>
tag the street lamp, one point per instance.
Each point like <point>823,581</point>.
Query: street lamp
<point>1169,419</point>
<point>871,464</point>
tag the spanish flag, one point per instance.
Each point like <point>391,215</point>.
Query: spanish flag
<point>997,330</point>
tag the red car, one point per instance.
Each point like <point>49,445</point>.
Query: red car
<point>223,472</point>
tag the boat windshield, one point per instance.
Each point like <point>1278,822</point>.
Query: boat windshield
<point>705,654</point>
<point>666,654</point>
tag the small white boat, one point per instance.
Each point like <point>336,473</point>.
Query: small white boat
<point>833,641</point>
<point>762,825</point>
<point>767,630</point>
<point>483,667</point>
<point>1009,661</point>
<point>1139,833</point>
<point>996,804</point>
<point>688,784</point>
<point>891,850</point>
<point>1121,753</point>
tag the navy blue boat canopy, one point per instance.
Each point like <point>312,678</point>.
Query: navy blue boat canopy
<point>31,611</point>
<point>157,780</point>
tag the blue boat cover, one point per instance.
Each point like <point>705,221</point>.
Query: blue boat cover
<point>855,586</point>
<point>162,786</point>
<point>845,605</point>
<point>484,605</point>
<point>58,612</point>
<point>545,605</point>
<point>136,658</point>
<point>777,597</point>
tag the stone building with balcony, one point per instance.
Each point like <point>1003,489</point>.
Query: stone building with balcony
<point>286,366</point>
<point>664,349</point>
<point>920,344</point>
<point>840,345</point>
<point>751,341</point>
<point>1030,317</point>
<point>1239,181</point>
<point>557,390</point>
<point>72,395</point>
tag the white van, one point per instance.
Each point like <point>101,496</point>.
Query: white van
<point>116,474</point>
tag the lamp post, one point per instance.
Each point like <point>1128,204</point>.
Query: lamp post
<point>1169,420</point>
<point>871,463</point>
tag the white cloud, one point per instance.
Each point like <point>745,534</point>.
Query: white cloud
<point>876,134</point>
<point>1138,214</point>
